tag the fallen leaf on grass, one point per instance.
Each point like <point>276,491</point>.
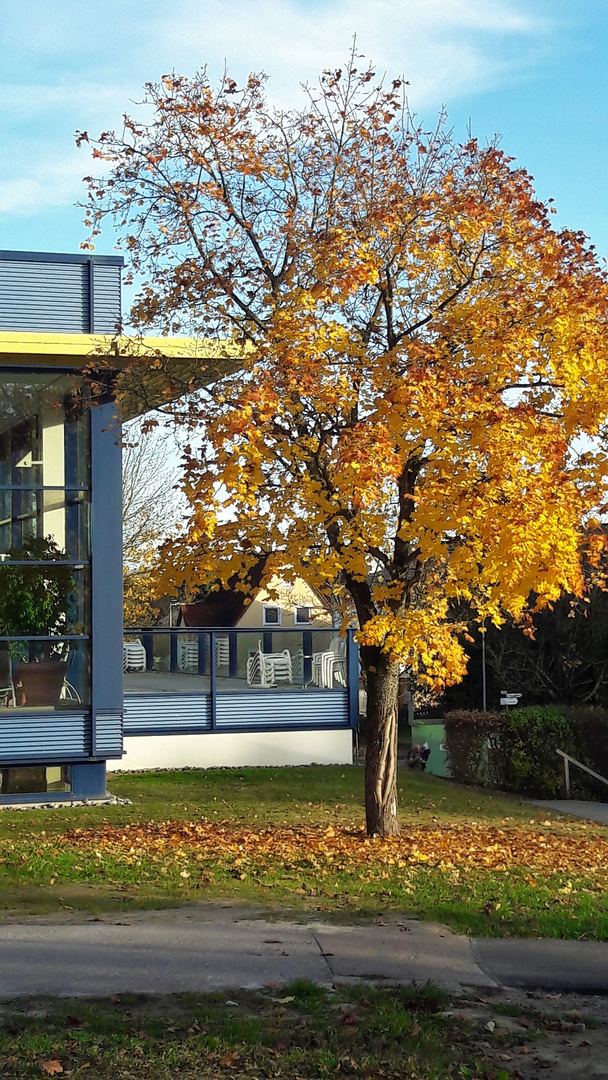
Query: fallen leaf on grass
<point>248,852</point>
<point>75,1021</point>
<point>230,1059</point>
<point>50,1067</point>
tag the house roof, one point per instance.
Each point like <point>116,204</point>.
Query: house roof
<point>223,607</point>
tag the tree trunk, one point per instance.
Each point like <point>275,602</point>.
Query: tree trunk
<point>381,750</point>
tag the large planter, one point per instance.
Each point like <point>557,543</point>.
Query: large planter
<point>41,682</point>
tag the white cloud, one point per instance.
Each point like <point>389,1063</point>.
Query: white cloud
<point>55,180</point>
<point>71,65</point>
<point>444,47</point>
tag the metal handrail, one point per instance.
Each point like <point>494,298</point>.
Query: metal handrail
<point>567,759</point>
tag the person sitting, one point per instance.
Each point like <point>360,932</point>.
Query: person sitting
<point>414,758</point>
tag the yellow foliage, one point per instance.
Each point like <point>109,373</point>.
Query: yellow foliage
<point>421,409</point>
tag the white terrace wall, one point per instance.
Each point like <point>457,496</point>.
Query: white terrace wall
<point>235,749</point>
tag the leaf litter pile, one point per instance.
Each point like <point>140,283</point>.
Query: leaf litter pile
<point>315,847</point>
<point>549,877</point>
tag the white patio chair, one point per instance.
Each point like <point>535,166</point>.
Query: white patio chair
<point>222,652</point>
<point>133,656</point>
<point>187,655</point>
<point>267,669</point>
<point>330,666</point>
<point>69,693</point>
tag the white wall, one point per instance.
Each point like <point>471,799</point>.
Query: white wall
<point>236,749</point>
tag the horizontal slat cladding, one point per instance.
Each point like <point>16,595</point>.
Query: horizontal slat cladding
<point>282,708</point>
<point>45,737</point>
<point>108,734</point>
<point>38,296</point>
<point>166,712</point>
<point>106,293</point>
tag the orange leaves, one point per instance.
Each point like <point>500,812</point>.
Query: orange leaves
<point>244,850</point>
<point>51,1067</point>
<point>425,354</point>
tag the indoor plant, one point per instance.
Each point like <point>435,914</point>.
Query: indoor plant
<point>34,602</point>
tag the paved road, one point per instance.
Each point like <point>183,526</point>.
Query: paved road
<point>216,948</point>
<point>593,811</point>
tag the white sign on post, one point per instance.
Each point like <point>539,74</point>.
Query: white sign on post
<point>508,698</point>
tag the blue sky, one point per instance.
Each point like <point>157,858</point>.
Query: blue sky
<point>535,71</point>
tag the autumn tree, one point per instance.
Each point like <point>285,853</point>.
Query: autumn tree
<point>421,405</point>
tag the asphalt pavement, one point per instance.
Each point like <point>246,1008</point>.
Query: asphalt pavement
<point>211,948</point>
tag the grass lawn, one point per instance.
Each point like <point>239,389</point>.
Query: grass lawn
<point>299,1031</point>
<point>291,840</point>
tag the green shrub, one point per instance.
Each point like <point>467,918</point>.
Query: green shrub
<point>468,736</point>
<point>515,750</point>
<point>527,762</point>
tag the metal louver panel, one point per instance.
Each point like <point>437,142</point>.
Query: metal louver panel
<point>147,714</point>
<point>282,708</point>
<point>107,301</point>
<point>108,735</point>
<point>44,296</point>
<point>52,737</point>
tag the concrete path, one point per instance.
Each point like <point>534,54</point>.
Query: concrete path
<point>592,811</point>
<point>218,948</point>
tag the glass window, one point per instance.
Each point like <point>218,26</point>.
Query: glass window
<point>37,780</point>
<point>44,541</point>
<point>47,676</point>
<point>271,615</point>
<point>44,461</point>
<point>303,614</point>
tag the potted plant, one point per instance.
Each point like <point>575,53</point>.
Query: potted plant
<point>34,602</point>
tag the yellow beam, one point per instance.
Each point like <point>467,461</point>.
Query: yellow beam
<point>179,365</point>
<point>78,349</point>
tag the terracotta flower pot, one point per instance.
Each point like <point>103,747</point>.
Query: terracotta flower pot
<point>42,682</point>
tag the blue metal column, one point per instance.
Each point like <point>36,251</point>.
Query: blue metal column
<point>307,656</point>
<point>147,641</point>
<point>213,680</point>
<point>106,582</point>
<point>202,653</point>
<point>232,656</point>
<point>173,652</point>
<point>352,678</point>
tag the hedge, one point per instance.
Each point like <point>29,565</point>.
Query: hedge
<point>516,750</point>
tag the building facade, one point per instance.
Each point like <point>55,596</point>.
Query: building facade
<point>60,485</point>
<point>63,716</point>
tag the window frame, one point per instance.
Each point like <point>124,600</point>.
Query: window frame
<point>273,607</point>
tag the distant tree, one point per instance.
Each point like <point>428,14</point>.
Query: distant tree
<point>422,356</point>
<point>150,513</point>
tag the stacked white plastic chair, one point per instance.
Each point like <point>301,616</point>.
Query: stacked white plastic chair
<point>133,656</point>
<point>267,669</point>
<point>187,655</point>
<point>329,667</point>
<point>222,652</point>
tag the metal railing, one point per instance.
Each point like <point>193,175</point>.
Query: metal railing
<point>221,656</point>
<point>567,761</point>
